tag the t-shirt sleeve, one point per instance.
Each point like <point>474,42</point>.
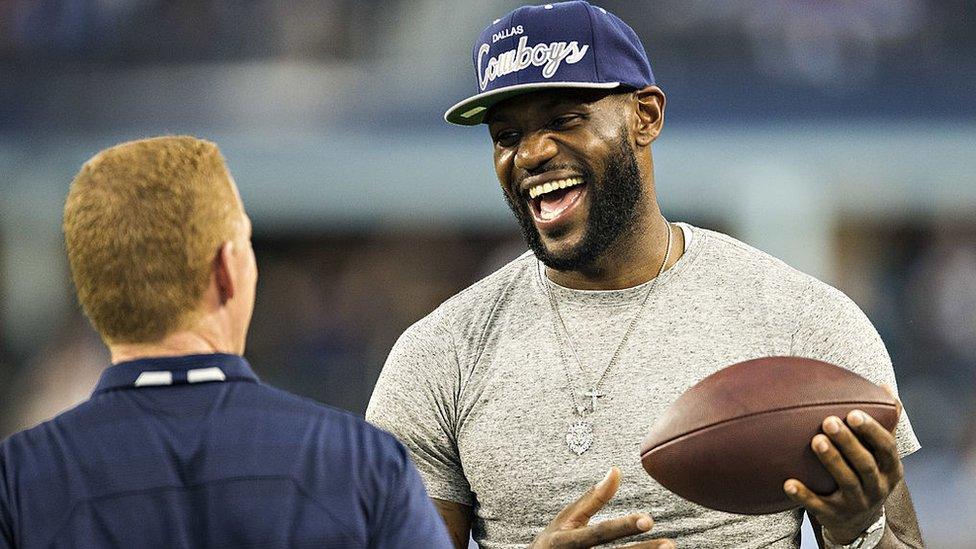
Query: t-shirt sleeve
<point>415,399</point>
<point>406,517</point>
<point>832,328</point>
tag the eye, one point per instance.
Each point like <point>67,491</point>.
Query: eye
<point>564,121</point>
<point>507,138</point>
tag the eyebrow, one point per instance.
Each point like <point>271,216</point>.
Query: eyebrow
<point>552,103</point>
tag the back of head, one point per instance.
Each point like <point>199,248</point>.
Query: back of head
<point>143,222</point>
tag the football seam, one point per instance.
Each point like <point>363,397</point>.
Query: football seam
<point>764,412</point>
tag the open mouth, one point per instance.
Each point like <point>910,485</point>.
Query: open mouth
<point>552,201</point>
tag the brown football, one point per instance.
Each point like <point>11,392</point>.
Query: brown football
<point>730,441</point>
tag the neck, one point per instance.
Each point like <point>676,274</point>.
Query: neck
<point>636,259</point>
<point>186,342</point>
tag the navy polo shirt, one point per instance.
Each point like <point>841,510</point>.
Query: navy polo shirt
<point>195,451</point>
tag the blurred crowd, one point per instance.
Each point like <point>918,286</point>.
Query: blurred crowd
<point>855,53</point>
<point>157,31</point>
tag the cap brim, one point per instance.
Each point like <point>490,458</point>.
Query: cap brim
<point>471,111</point>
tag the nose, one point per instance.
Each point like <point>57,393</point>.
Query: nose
<point>535,150</point>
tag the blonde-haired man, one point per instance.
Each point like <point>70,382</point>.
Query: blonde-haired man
<point>180,445</point>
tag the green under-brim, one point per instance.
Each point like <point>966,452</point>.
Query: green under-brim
<point>471,111</point>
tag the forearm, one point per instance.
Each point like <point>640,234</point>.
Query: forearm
<point>892,540</point>
<point>901,528</point>
<point>457,518</point>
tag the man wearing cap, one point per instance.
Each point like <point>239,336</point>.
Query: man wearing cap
<point>181,445</point>
<point>516,395</point>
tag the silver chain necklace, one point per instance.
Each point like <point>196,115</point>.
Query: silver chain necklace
<point>579,436</point>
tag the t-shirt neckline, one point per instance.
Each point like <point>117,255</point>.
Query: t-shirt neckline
<point>624,296</point>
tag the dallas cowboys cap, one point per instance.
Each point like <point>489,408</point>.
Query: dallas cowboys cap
<point>564,45</point>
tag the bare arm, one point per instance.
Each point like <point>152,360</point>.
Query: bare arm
<point>457,517</point>
<point>902,528</point>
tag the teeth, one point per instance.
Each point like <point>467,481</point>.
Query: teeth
<point>554,185</point>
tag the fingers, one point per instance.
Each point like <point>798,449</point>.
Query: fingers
<point>879,439</point>
<point>570,530</point>
<point>862,456</point>
<point>570,527</point>
<point>798,492</point>
<point>582,510</point>
<point>604,532</point>
<point>846,458</point>
<point>833,462</point>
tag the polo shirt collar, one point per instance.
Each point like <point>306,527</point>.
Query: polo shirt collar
<point>175,370</point>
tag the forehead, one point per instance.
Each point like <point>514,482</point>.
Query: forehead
<point>543,102</point>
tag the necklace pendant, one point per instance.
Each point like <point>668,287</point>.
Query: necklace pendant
<point>579,437</point>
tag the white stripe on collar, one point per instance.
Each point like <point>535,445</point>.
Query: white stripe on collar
<point>197,375</point>
<point>205,374</point>
<point>151,379</point>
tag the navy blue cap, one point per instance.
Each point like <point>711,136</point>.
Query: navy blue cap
<point>564,45</point>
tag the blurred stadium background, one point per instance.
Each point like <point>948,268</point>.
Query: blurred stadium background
<point>836,135</point>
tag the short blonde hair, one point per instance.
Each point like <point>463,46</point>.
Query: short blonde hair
<point>143,223</point>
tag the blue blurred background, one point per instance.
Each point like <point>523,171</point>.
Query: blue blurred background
<point>836,135</point>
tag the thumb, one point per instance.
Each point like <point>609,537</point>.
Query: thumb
<point>582,510</point>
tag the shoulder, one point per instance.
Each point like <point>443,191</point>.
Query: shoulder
<point>45,455</point>
<point>318,436</point>
<point>829,318</point>
<point>820,320</point>
<point>727,262</point>
<point>787,298</point>
<point>347,442</point>
<point>37,444</point>
<point>270,414</point>
<point>339,430</point>
<point>727,254</point>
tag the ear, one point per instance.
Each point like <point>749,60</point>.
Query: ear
<point>223,273</point>
<point>650,114</point>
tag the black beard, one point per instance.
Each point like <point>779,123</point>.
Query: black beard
<point>614,205</point>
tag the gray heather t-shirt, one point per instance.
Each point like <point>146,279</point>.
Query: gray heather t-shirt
<point>479,390</point>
